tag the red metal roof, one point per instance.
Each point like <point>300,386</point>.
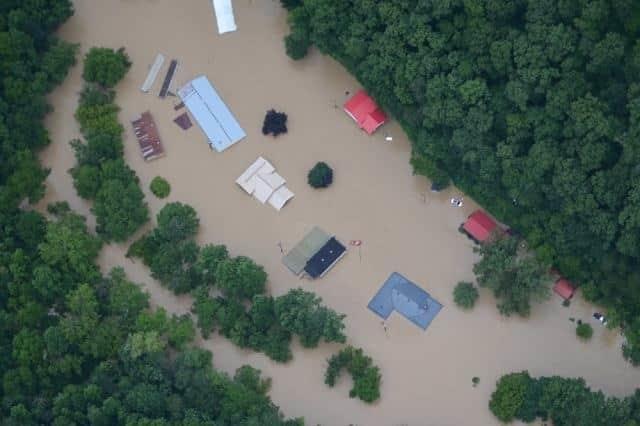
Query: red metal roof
<point>564,288</point>
<point>479,225</point>
<point>365,112</point>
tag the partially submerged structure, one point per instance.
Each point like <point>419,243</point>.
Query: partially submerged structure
<point>211,113</point>
<point>328,255</point>
<point>479,226</point>
<point>365,111</point>
<point>225,19</point>
<point>261,180</point>
<point>153,73</point>
<point>564,288</point>
<point>315,254</point>
<point>183,121</point>
<point>147,134</point>
<point>401,295</point>
<point>166,84</point>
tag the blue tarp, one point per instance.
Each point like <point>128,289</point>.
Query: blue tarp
<point>211,113</point>
<point>401,295</point>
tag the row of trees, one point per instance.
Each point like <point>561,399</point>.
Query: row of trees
<point>565,402</point>
<point>101,173</point>
<point>531,107</point>
<point>80,348</point>
<point>230,292</point>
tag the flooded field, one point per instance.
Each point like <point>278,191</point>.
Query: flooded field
<point>404,227</point>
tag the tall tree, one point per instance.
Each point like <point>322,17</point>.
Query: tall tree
<point>515,275</point>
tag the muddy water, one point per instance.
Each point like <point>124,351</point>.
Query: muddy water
<point>403,226</point>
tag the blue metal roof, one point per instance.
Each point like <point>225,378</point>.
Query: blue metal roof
<point>401,295</point>
<point>211,113</point>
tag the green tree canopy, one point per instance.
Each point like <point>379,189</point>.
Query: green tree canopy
<point>301,313</point>
<point>240,278</point>
<point>465,295</point>
<point>515,276</point>
<point>105,66</point>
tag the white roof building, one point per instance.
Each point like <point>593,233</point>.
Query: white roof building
<point>261,180</point>
<point>211,113</point>
<point>224,16</point>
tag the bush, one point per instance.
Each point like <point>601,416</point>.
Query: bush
<point>275,123</point>
<point>160,187</point>
<point>465,295</point>
<point>584,331</point>
<point>320,176</point>
<point>105,66</point>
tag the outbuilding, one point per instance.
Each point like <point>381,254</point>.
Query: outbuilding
<point>564,288</point>
<point>479,226</point>
<point>365,111</point>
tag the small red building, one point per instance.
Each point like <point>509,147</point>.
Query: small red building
<point>564,288</point>
<point>479,226</point>
<point>365,112</point>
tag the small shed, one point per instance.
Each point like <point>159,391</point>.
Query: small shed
<point>479,226</point>
<point>365,111</point>
<point>564,288</point>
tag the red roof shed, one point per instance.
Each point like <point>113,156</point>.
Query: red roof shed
<point>479,226</point>
<point>365,112</point>
<point>564,288</point>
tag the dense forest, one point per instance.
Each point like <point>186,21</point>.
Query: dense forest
<point>80,348</point>
<point>530,106</point>
<point>77,347</point>
<point>566,402</point>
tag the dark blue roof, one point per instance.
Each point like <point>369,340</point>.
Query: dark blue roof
<point>324,258</point>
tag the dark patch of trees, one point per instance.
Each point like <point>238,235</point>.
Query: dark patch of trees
<point>32,62</point>
<point>80,348</point>
<point>275,123</point>
<point>562,401</point>
<point>537,102</point>
<point>101,173</point>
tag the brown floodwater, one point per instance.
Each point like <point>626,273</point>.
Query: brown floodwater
<point>404,227</point>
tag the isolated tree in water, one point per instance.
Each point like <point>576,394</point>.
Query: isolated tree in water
<point>516,276</point>
<point>465,295</point>
<point>320,176</point>
<point>275,123</point>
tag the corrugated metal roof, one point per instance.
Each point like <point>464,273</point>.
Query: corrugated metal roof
<point>479,225</point>
<point>212,114</point>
